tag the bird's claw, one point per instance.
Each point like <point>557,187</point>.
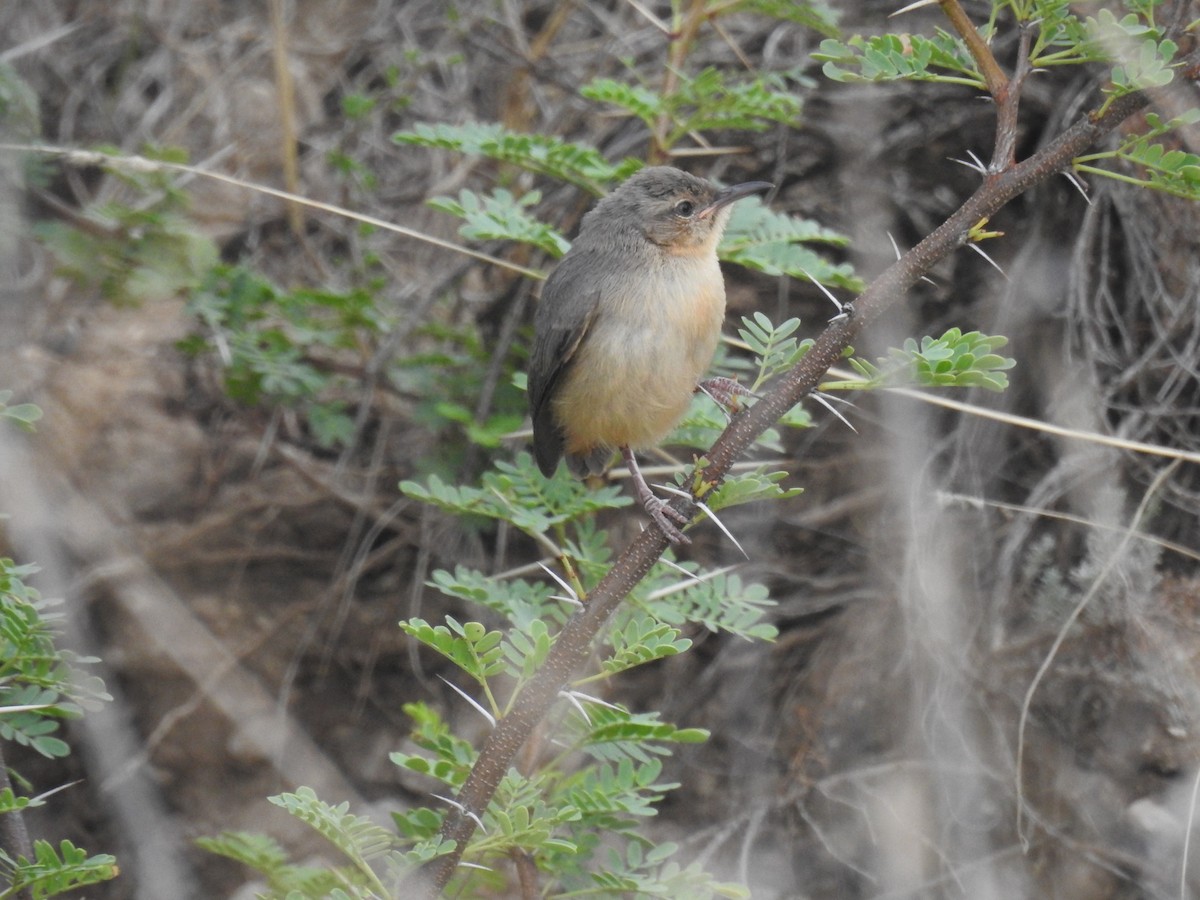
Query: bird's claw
<point>667,518</point>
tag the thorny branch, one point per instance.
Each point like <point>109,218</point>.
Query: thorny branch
<point>1002,183</point>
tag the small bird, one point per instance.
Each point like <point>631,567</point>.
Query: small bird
<point>628,323</point>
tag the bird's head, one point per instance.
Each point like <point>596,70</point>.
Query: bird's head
<point>681,213</point>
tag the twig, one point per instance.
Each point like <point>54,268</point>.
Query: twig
<point>993,75</point>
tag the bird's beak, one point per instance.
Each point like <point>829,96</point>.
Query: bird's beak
<point>725,196</point>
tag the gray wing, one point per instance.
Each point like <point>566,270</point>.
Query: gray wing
<point>565,312</point>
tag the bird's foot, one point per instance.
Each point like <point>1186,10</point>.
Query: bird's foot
<point>668,519</point>
<point>726,392</point>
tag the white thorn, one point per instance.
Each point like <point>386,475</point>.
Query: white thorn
<point>566,587</point>
<point>917,5</point>
<point>677,567</point>
<point>824,401</point>
<point>575,703</point>
<point>895,246</point>
<point>683,585</point>
<point>832,299</point>
<point>708,512</point>
<point>1078,184</point>
<point>590,699</point>
<point>974,166</point>
<point>462,809</point>
<point>979,250</point>
<point>479,709</point>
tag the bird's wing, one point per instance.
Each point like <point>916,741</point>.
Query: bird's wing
<point>564,315</point>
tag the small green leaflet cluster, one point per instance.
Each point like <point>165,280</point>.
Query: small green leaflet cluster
<point>574,163</point>
<point>517,493</point>
<point>377,861</point>
<point>894,57</point>
<point>1170,171</point>
<point>952,360</point>
<point>773,243</point>
<point>140,253</point>
<point>775,348</point>
<point>562,813</point>
<point>502,216</point>
<point>709,101</point>
<point>1132,41</point>
<point>33,673</point>
<point>820,17</point>
<point>52,872</point>
<point>269,340</point>
<point>24,415</point>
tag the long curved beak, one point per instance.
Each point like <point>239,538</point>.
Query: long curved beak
<point>725,196</point>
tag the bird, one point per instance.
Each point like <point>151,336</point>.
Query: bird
<point>627,324</point>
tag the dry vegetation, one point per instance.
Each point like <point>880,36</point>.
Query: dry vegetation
<point>242,586</point>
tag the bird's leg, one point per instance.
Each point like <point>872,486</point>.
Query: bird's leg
<point>726,392</point>
<point>665,517</point>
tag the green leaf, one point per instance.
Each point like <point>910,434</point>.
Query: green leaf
<point>766,241</point>
<point>52,872</point>
<point>943,58</point>
<point>469,645</point>
<point>358,838</point>
<point>502,216</point>
<point>576,163</point>
<point>750,487</point>
<point>642,639</point>
<point>819,17</point>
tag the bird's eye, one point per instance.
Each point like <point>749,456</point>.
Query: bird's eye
<point>685,208</point>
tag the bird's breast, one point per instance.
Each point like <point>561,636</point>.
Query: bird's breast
<point>652,338</point>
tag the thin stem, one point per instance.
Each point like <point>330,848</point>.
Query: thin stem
<point>993,75</point>
<point>1004,154</point>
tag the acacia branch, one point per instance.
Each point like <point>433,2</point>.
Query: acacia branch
<point>993,75</point>
<point>573,645</point>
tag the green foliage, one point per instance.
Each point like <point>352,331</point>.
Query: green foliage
<point>750,487</point>
<point>52,872</point>
<point>574,163</point>
<point>774,347</point>
<point>501,216</point>
<point>952,360</point>
<point>279,347</point>
<point>1131,41</point>
<point>1168,170</point>
<point>443,377</point>
<point>40,685</point>
<point>517,493</point>
<point>448,758</point>
<point>943,58</point>
<point>135,253</point>
<point>766,241</point>
<point>712,100</point>
<point>24,415</point>
<point>358,838</point>
<point>819,17</point>
<point>266,857</point>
